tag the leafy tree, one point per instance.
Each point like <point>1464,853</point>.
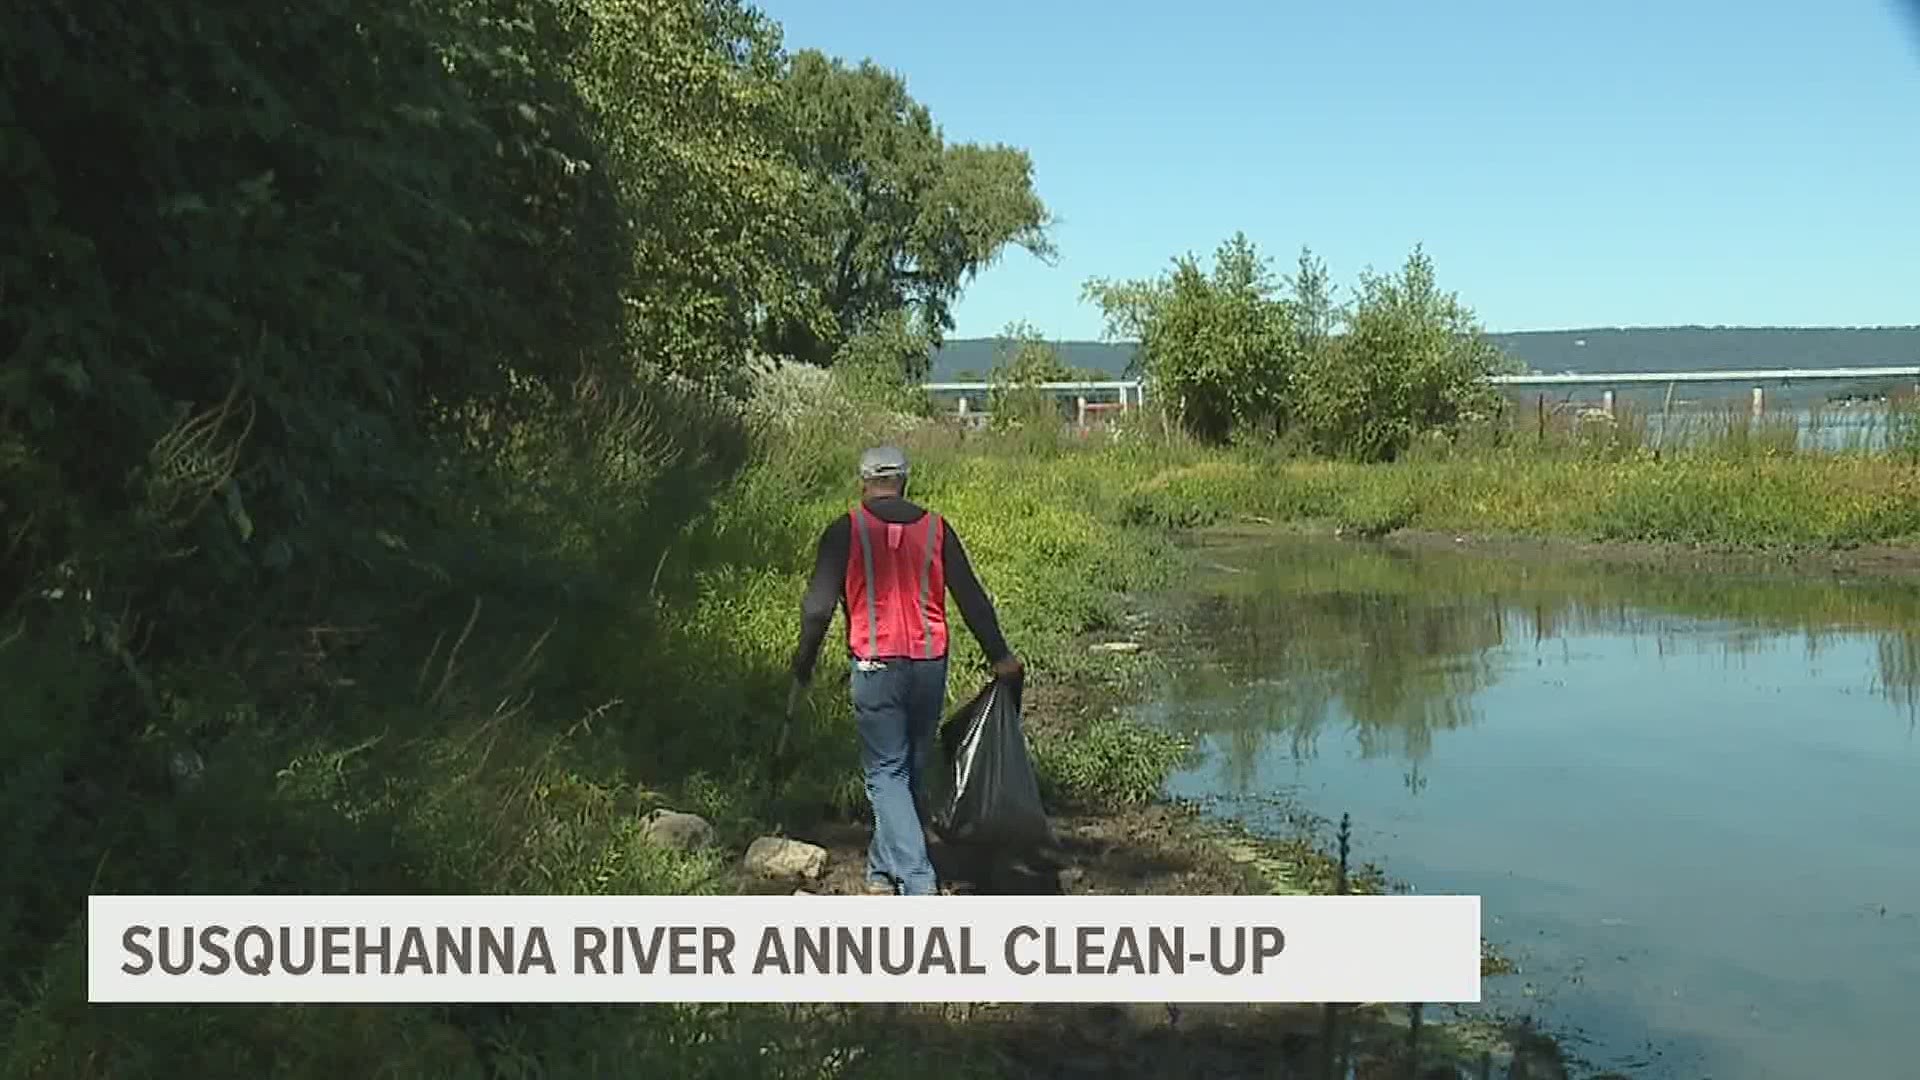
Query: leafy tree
<point>1234,355</point>
<point>896,217</point>
<point>1412,359</point>
<point>1023,360</point>
<point>1219,345</point>
<point>1316,316</point>
<point>687,105</point>
<point>1023,356</point>
<point>884,363</point>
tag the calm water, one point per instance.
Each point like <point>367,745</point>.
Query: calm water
<point>1691,804</point>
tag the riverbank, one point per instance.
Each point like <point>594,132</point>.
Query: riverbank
<point>1193,501</point>
<point>499,718</point>
<point>498,708</point>
<point>1093,651</point>
<point>1716,499</point>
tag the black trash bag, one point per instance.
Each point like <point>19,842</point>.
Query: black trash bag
<point>984,791</point>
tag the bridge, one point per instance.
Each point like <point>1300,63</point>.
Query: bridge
<point>1131,393</point>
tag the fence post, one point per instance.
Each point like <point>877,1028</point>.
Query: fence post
<point>1606,401</point>
<point>1759,401</point>
<point>1080,404</point>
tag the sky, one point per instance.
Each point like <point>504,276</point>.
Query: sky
<point>1610,163</point>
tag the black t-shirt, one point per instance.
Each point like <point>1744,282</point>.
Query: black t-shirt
<point>827,590</point>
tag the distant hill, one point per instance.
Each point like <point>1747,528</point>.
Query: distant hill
<point>1682,348</point>
<point>971,358</point>
<point>1598,350</point>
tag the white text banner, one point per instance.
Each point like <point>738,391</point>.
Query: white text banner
<point>607,949</point>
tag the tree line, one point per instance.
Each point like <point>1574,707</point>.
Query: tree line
<point>270,268</point>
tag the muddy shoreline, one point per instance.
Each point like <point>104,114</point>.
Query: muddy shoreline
<point>1891,561</point>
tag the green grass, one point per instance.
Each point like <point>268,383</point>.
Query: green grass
<point>1788,503</point>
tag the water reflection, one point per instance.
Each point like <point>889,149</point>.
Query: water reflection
<point>1389,648</point>
<point>1686,799</point>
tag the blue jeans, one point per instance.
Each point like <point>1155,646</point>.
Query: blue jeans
<point>897,708</point>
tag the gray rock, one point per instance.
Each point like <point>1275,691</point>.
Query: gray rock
<point>774,856</point>
<point>676,830</point>
<point>187,768</point>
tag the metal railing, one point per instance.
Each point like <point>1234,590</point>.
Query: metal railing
<point>1133,391</point>
<point>1753,375</point>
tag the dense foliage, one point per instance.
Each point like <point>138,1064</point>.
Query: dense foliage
<point>1023,360</point>
<point>1234,356</point>
<point>363,367</point>
<point>900,219</point>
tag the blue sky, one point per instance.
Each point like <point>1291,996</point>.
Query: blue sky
<point>1617,163</point>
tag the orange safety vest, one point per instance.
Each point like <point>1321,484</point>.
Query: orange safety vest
<point>896,589</point>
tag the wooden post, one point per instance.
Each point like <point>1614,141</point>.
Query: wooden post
<point>1540,407</point>
<point>1759,401</point>
<point>1081,403</point>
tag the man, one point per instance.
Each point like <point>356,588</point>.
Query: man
<point>889,563</point>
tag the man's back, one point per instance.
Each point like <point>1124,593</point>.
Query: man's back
<point>837,553</point>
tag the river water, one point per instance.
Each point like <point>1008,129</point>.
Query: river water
<point>1690,802</point>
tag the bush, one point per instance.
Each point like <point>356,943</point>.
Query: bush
<point>1219,345</point>
<point>1237,363</point>
<point>1412,360</point>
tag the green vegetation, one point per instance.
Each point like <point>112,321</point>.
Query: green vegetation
<point>407,481</point>
<point>385,506</point>
<point>899,220</point>
<point>1023,360</point>
<point>1766,504</point>
<point>1233,360</point>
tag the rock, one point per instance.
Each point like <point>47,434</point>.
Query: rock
<point>676,830</point>
<point>187,768</point>
<point>773,856</point>
<point>803,892</point>
<point>1537,1060</point>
